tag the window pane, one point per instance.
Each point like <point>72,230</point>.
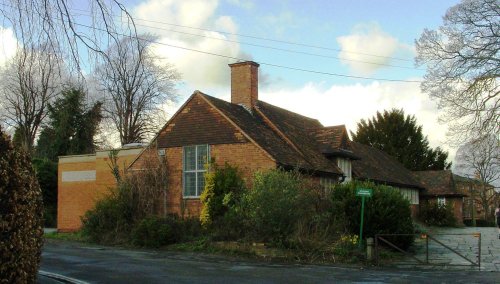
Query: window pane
<point>202,156</point>
<point>189,184</point>
<point>201,182</point>
<point>190,158</point>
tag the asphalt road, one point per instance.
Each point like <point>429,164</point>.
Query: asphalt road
<point>97,264</point>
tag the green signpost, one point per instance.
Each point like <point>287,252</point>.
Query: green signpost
<point>363,192</point>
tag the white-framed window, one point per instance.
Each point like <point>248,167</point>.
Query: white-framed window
<point>410,195</point>
<point>194,159</point>
<point>441,201</point>
<point>345,166</point>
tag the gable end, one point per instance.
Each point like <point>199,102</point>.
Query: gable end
<point>199,123</point>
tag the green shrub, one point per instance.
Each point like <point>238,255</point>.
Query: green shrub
<point>434,214</point>
<point>189,229</point>
<point>275,204</point>
<point>20,216</point>
<point>153,231</point>
<point>480,223</point>
<point>111,220</point>
<point>46,174</point>
<point>386,212</point>
<point>223,187</point>
<point>222,194</point>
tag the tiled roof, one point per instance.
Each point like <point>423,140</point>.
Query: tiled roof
<point>331,136</point>
<point>333,141</point>
<point>254,126</point>
<point>296,128</point>
<point>437,183</point>
<point>378,166</point>
<point>475,181</point>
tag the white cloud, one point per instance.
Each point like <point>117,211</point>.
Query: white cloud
<point>245,4</point>
<point>198,69</point>
<point>194,13</point>
<point>348,104</point>
<point>281,22</point>
<point>369,39</point>
<point>8,45</point>
<point>226,24</point>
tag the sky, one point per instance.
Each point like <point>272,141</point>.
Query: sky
<point>369,39</point>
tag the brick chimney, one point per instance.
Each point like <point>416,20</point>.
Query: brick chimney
<point>245,83</point>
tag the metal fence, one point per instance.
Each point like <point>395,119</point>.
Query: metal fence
<point>383,239</point>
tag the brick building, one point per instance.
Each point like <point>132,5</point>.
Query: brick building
<point>84,179</point>
<point>440,187</point>
<point>254,136</point>
<point>477,193</point>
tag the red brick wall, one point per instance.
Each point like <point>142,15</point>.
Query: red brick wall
<point>457,208</point>
<point>246,156</point>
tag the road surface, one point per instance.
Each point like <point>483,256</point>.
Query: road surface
<point>99,264</point>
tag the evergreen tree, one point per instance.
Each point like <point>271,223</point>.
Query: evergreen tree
<point>46,174</point>
<point>400,136</point>
<point>71,128</point>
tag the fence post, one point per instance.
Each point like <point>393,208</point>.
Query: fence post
<point>479,245</point>
<point>369,249</point>
<point>427,249</point>
<point>376,249</point>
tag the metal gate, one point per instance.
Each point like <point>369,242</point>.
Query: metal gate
<point>474,260</point>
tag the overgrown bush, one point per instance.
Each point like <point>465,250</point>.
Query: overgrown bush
<point>224,187</point>
<point>20,216</point>
<point>137,196</point>
<point>386,212</point>
<point>155,231</point>
<point>112,218</point>
<point>275,204</point>
<point>434,214</point>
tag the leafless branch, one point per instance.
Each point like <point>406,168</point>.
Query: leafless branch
<point>463,67</point>
<point>135,85</point>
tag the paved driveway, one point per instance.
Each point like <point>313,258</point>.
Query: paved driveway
<point>96,264</point>
<point>463,240</point>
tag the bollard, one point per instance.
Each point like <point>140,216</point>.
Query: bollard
<point>369,249</point>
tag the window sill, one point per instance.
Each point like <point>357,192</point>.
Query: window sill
<point>190,197</point>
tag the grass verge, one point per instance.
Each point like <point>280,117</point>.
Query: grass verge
<point>72,236</point>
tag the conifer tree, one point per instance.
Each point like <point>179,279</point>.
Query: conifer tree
<point>72,127</point>
<point>400,136</point>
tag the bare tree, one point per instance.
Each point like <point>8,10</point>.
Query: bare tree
<point>480,158</point>
<point>29,83</point>
<point>135,84</point>
<point>463,67</point>
<point>65,28</point>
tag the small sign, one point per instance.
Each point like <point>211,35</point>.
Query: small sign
<point>364,192</point>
